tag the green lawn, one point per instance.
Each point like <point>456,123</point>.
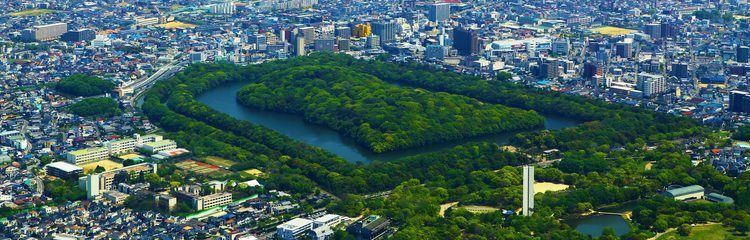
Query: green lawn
<point>708,232</point>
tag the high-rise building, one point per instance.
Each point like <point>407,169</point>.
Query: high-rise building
<point>344,44</point>
<point>651,84</point>
<point>591,69</point>
<point>548,69</point>
<point>299,46</point>
<point>373,41</point>
<point>680,70</point>
<point>343,32</point>
<point>438,12</point>
<point>226,8</point>
<point>362,30</point>
<point>308,33</point>
<point>743,53</point>
<point>528,190</point>
<point>45,32</point>
<point>668,30</point>
<point>624,48</point>
<point>435,52</point>
<point>325,45</point>
<point>80,35</point>
<point>739,101</point>
<point>386,31</point>
<point>561,46</point>
<point>653,30</point>
<point>465,41</point>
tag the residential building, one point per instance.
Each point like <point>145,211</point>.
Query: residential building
<point>651,84</point>
<point>45,32</point>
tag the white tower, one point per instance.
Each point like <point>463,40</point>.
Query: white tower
<point>528,190</point>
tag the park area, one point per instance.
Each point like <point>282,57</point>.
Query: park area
<point>106,164</point>
<point>612,31</point>
<point>201,168</point>
<point>176,25</point>
<point>32,12</point>
<point>704,232</point>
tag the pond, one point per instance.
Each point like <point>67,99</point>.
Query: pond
<point>594,225</point>
<point>223,99</point>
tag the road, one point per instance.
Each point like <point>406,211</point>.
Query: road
<point>39,185</point>
<point>138,87</point>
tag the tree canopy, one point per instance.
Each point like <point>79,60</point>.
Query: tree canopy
<point>83,85</point>
<point>95,107</point>
<point>382,116</point>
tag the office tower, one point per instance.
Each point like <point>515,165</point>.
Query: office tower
<point>653,30</point>
<point>308,33</point>
<point>45,32</point>
<point>80,35</point>
<point>651,84</point>
<point>680,70</point>
<point>299,46</point>
<point>743,53</point>
<point>438,12</point>
<point>386,31</point>
<point>465,41</point>
<point>325,45</point>
<point>739,101</point>
<point>343,32</point>
<point>528,190</point>
<point>344,44</point>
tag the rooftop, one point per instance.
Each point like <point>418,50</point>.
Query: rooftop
<point>685,190</point>
<point>65,166</point>
<point>295,223</point>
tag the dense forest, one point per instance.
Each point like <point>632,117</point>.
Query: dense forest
<point>381,116</point>
<point>602,160</point>
<point>95,107</point>
<point>84,86</point>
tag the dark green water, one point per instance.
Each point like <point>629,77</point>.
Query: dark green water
<point>223,99</point>
<point>594,225</point>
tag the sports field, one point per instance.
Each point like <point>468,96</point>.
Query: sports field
<point>479,209</point>
<point>201,168</point>
<point>222,162</point>
<point>106,164</point>
<point>612,31</point>
<point>176,25</point>
<point>32,12</point>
